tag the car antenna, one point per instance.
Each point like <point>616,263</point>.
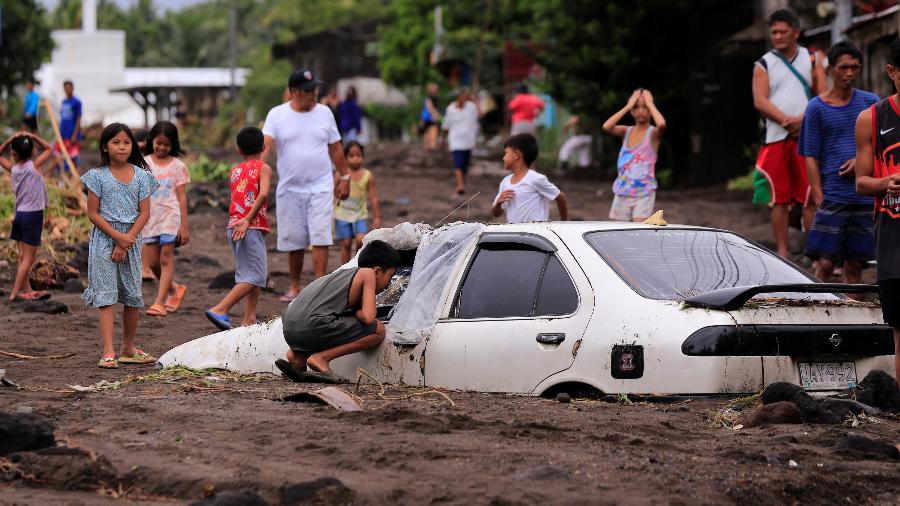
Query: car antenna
<point>457,208</point>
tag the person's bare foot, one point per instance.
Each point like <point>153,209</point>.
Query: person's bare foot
<point>317,363</point>
<point>289,297</point>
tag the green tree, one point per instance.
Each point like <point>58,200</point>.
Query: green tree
<point>24,41</point>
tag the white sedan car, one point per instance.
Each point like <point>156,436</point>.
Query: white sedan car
<point>617,307</point>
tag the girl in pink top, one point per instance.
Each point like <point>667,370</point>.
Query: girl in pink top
<point>168,225</point>
<point>31,199</point>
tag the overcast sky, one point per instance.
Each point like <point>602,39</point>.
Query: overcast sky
<point>165,4</point>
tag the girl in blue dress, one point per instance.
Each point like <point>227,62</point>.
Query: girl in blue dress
<point>119,207</point>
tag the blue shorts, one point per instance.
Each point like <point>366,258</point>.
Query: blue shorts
<point>842,232</point>
<point>347,230</point>
<point>27,227</point>
<point>461,159</point>
<point>162,239</point>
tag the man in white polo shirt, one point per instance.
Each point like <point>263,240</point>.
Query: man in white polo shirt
<point>306,142</point>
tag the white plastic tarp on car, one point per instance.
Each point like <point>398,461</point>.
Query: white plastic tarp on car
<point>439,251</point>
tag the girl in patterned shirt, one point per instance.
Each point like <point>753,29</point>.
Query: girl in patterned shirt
<point>119,207</point>
<point>168,225</point>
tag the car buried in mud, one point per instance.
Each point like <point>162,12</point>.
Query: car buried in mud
<point>616,307</point>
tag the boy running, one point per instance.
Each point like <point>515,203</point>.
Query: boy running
<point>878,174</point>
<point>335,316</point>
<point>842,228</point>
<point>247,224</point>
<point>525,195</point>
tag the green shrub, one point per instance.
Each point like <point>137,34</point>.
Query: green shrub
<point>205,169</point>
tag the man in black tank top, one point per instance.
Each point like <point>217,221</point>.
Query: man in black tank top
<point>878,174</point>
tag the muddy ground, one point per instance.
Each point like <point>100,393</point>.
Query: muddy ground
<point>178,440</point>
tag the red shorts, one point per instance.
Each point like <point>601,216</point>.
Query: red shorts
<point>785,170</point>
<point>73,148</point>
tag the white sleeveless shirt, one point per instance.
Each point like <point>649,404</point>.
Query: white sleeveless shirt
<point>785,90</point>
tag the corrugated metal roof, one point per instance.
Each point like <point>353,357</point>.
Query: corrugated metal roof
<point>175,77</point>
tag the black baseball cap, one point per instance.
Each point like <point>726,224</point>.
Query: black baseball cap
<point>303,79</point>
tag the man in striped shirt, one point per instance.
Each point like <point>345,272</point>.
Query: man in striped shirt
<point>842,228</point>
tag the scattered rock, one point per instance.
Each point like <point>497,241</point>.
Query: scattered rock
<point>73,285</point>
<point>563,397</point>
<point>776,412</point>
<point>44,306</point>
<point>24,432</point>
<point>863,445</point>
<point>327,490</point>
<point>50,273</point>
<point>879,389</point>
<point>242,497</point>
<point>811,410</point>
<point>222,281</point>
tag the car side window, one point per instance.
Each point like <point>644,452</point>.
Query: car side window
<point>557,295</point>
<point>513,280</point>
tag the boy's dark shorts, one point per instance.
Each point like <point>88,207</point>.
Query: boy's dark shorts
<point>842,232</point>
<point>309,342</point>
<point>889,294</point>
<point>27,227</point>
<point>461,160</point>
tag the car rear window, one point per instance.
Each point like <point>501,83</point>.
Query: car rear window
<point>675,264</point>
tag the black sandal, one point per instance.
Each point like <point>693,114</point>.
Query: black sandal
<point>288,370</point>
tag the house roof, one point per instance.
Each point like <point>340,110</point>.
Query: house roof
<point>175,77</point>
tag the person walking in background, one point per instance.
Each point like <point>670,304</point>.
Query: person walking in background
<point>579,143</point>
<point>119,207</point>
<point>30,107</point>
<point>70,123</point>
<point>349,116</point>
<point>461,124</point>
<point>31,200</point>
<point>523,109</point>
<point>784,80</point>
<point>842,230</point>
<point>878,175</point>
<point>247,225</point>
<point>350,215</point>
<point>430,118</point>
<point>307,142</point>
<point>635,187</point>
<point>168,224</point>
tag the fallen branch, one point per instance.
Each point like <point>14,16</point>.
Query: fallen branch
<point>34,357</point>
<point>360,372</point>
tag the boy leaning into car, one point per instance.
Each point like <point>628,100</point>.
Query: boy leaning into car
<point>878,175</point>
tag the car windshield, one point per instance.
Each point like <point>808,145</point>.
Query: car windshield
<point>675,264</point>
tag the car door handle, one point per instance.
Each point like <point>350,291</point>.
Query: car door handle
<point>555,338</point>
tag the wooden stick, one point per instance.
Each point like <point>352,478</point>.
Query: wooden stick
<point>71,178</point>
<point>33,357</point>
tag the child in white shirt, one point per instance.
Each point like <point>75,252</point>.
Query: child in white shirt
<point>525,195</point>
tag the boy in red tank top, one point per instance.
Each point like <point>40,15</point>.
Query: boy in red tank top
<point>247,224</point>
<point>878,174</point>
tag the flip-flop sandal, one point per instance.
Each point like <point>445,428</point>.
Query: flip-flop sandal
<point>155,310</point>
<point>288,370</point>
<point>35,295</point>
<point>174,301</point>
<point>108,363</point>
<point>223,322</point>
<point>140,357</point>
<point>288,298</point>
<point>323,377</point>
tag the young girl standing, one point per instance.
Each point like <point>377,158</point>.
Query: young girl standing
<point>635,188</point>
<point>31,199</point>
<point>168,225</point>
<point>350,214</point>
<point>119,207</point>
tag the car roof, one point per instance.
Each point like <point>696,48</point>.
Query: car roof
<point>585,226</point>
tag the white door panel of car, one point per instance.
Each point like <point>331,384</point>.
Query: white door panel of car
<point>519,312</point>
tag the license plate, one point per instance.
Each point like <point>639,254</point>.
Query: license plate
<point>827,375</point>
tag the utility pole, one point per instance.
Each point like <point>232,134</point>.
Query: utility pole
<point>843,17</point>
<point>232,50</point>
